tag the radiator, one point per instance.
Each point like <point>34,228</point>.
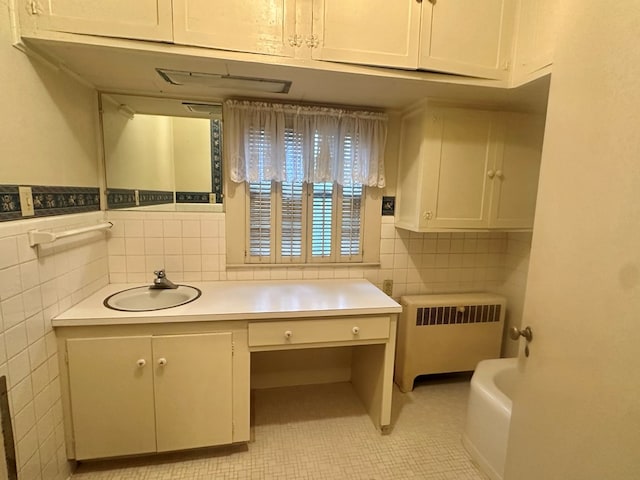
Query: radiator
<point>446,333</point>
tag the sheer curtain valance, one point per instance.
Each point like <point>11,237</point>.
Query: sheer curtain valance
<point>294,143</point>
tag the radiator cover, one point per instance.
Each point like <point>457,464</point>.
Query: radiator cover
<point>447,333</point>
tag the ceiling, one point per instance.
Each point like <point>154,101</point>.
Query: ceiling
<point>132,70</point>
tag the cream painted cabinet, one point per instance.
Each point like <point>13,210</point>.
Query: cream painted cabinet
<point>239,25</point>
<point>467,38</point>
<point>142,19</point>
<point>537,27</point>
<point>371,32</point>
<point>141,394</point>
<point>464,168</point>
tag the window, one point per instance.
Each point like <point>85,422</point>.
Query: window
<point>301,182</point>
<point>299,222</point>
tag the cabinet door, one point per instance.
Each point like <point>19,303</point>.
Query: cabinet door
<point>537,29</point>
<point>467,38</point>
<point>371,32</point>
<point>142,19</point>
<point>193,390</point>
<point>515,183</point>
<point>460,149</point>
<point>111,386</point>
<point>240,25</point>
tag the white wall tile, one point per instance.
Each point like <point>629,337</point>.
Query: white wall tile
<point>32,301</point>
<point>8,252</point>
<point>16,339</point>
<point>153,229</point>
<point>10,283</point>
<point>12,311</point>
<point>19,367</point>
<point>172,228</point>
<point>21,395</point>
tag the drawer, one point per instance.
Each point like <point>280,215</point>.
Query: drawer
<point>296,332</point>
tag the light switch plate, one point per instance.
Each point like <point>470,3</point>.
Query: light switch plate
<point>26,201</point>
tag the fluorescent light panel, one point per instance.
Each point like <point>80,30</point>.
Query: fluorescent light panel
<point>213,80</point>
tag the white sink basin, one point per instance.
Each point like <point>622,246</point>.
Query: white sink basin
<point>145,299</point>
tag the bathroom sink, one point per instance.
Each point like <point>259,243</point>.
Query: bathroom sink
<point>145,299</point>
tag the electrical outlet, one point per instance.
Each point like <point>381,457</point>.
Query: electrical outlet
<point>26,201</point>
<point>212,198</point>
<point>387,287</point>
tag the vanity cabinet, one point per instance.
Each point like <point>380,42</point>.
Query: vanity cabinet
<point>464,168</point>
<point>141,20</point>
<point>150,393</point>
<point>465,38</point>
<point>180,378</point>
<point>240,25</point>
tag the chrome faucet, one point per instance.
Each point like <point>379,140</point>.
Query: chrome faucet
<point>161,281</point>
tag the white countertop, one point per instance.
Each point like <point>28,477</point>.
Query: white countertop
<point>243,300</point>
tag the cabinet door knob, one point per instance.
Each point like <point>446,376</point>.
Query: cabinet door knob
<point>162,361</point>
<point>499,173</point>
<point>141,362</point>
<point>355,330</point>
<point>427,215</point>
<point>288,334</point>
<point>491,174</point>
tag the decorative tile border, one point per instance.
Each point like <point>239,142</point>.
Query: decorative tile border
<point>9,203</point>
<point>216,159</point>
<point>192,197</point>
<point>48,201</point>
<point>121,198</point>
<point>154,197</point>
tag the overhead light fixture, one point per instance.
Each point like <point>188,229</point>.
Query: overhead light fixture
<point>211,109</point>
<point>213,80</point>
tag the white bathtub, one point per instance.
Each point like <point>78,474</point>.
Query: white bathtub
<point>488,414</point>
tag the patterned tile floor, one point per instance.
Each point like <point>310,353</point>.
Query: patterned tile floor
<point>322,432</point>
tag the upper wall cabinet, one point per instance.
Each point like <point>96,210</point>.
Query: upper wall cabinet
<point>464,168</point>
<point>466,38</point>
<point>538,24</point>
<point>371,32</point>
<point>142,19</point>
<point>240,25</point>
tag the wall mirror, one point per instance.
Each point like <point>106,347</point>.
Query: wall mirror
<point>162,154</point>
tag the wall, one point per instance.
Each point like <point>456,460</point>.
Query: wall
<point>191,246</point>
<point>48,136</point>
<point>35,285</point>
<point>138,150</point>
<point>575,409</point>
<point>192,154</point>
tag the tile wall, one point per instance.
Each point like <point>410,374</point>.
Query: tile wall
<point>36,284</point>
<point>191,247</point>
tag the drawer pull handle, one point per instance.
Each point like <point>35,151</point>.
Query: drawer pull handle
<point>162,362</point>
<point>355,330</point>
<point>141,363</point>
<point>288,334</point>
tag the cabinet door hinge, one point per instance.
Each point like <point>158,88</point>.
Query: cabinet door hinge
<point>233,348</point>
<point>66,356</point>
<point>33,7</point>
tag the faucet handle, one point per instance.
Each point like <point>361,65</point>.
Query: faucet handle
<point>160,273</point>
